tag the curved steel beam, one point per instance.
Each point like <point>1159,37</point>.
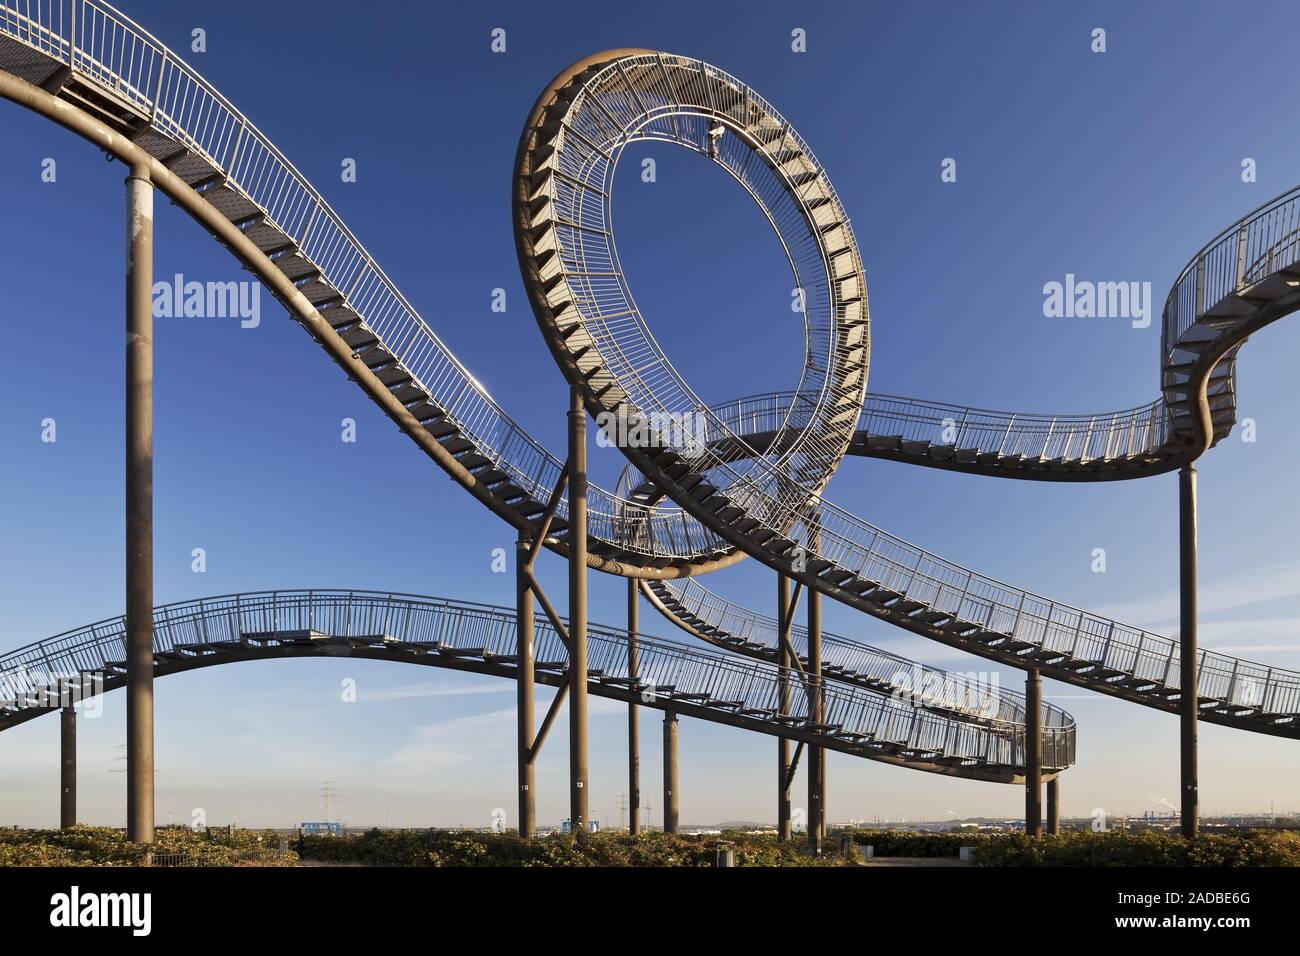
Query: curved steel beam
<point>903,584</point>
<point>122,147</point>
<point>437,632</point>
<point>714,620</point>
<point>568,152</point>
<point>305,314</point>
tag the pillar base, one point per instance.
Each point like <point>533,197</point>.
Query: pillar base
<point>783,824</point>
<point>670,772</point>
<point>1033,754</point>
<point>816,756</point>
<point>633,715</point>
<point>524,622</point>
<point>68,768</point>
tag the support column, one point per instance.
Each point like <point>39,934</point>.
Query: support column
<point>68,768</point>
<point>670,772</point>
<point>1054,806</point>
<point>139,507</point>
<point>524,689</point>
<point>816,756</point>
<point>783,828</point>
<point>1033,753</point>
<point>821,780</point>
<point>1189,691</point>
<point>577,616</point>
<point>633,715</point>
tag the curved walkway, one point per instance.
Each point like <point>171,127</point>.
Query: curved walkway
<point>122,89</point>
<point>437,632</point>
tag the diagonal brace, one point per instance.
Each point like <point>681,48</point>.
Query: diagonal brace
<point>545,602</point>
<point>788,623</point>
<point>794,765</point>
<point>556,703</point>
<point>548,515</point>
<point>783,632</point>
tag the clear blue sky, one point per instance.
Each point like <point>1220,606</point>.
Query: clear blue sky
<point>1114,166</point>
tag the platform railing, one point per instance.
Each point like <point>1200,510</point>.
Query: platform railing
<point>931,686</point>
<point>121,59</point>
<point>1261,243</point>
<point>1064,438</point>
<point>105,48</point>
<point>404,622</point>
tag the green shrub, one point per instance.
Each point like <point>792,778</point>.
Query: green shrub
<point>908,843</point>
<point>454,848</point>
<point>106,846</point>
<point>1143,848</point>
<point>1084,848</point>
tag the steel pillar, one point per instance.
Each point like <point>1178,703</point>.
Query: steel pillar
<point>1054,805</point>
<point>577,616</point>
<point>68,768</point>
<point>821,783</point>
<point>816,756</point>
<point>1188,699</point>
<point>670,772</point>
<point>139,507</point>
<point>783,827</point>
<point>1033,753</point>
<point>633,716</point>
<point>524,691</point>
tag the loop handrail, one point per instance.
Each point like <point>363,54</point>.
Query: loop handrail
<point>128,66</point>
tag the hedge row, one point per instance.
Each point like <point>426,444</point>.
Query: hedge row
<point>1084,848</point>
<point>105,846</point>
<point>448,848</point>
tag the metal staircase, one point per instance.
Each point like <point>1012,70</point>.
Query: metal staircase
<point>98,63</point>
<point>698,611</point>
<point>85,52</point>
<point>565,166</point>
<point>742,489</point>
<point>1245,278</point>
<point>186,125</point>
<point>925,594</point>
<point>689,680</point>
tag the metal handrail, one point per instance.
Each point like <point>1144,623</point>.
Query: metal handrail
<point>874,554</point>
<point>181,104</point>
<point>414,622</point>
<point>1266,227</point>
<point>128,64</point>
<point>601,120</point>
<point>931,686</point>
<point>1016,433</point>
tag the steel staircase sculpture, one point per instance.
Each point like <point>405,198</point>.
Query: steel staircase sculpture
<point>564,172</point>
<point>743,491</point>
<point>95,59</point>
<point>1111,446</point>
<point>186,125</point>
<point>83,57</point>
<point>1105,447</point>
<point>700,612</point>
<point>437,632</point>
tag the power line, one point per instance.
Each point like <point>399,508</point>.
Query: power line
<point>328,791</point>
